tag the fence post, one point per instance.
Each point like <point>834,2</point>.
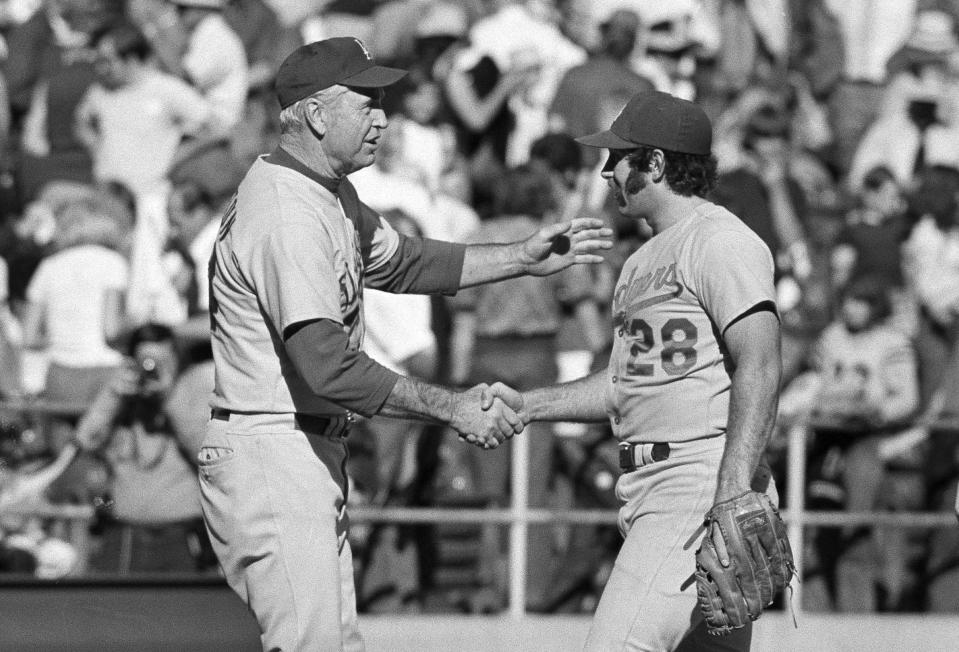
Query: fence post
<point>796,502</point>
<point>519,508</point>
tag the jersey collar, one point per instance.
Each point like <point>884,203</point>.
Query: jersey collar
<point>280,156</point>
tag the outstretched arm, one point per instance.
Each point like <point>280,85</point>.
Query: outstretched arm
<point>485,426</point>
<point>753,343</point>
<point>582,400</point>
<point>320,352</point>
<point>551,249</point>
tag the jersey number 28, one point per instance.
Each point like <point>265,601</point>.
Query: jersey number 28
<point>678,353</point>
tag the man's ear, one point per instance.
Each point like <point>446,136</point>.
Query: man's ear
<point>314,114</point>
<point>657,165</point>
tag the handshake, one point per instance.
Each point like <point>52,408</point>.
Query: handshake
<point>488,415</point>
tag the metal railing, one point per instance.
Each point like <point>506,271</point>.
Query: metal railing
<point>519,515</point>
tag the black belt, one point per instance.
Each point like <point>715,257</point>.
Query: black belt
<point>329,426</point>
<point>632,456</point>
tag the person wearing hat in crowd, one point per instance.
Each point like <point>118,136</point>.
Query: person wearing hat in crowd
<point>577,106</point>
<point>918,121</point>
<point>295,248</point>
<point>692,382</point>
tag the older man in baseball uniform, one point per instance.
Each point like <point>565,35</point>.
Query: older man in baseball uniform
<point>293,253</point>
<point>692,383</point>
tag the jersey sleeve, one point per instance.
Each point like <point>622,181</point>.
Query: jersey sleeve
<point>297,270</point>
<point>734,273</point>
<point>398,264</point>
<point>420,266</point>
<point>378,240</point>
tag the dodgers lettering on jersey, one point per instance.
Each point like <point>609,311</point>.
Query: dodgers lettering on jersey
<point>674,298</point>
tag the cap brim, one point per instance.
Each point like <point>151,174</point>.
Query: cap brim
<point>374,77</point>
<point>606,139</point>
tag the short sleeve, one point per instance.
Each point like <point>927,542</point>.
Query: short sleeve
<point>296,270</point>
<point>734,274</point>
<point>383,244</point>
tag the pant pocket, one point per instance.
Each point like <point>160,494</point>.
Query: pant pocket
<point>212,455</point>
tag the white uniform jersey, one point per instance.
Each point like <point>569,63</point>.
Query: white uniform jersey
<point>675,297</point>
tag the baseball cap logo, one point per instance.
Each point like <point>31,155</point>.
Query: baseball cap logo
<point>366,53</point>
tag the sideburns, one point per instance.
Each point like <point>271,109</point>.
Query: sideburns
<point>634,181</point>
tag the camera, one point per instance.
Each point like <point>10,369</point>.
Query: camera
<point>923,112</point>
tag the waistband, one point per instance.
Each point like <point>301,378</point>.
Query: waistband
<point>334,426</point>
<point>633,455</point>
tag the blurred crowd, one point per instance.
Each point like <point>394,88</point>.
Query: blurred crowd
<point>125,126</point>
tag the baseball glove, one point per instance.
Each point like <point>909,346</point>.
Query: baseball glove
<point>760,561</point>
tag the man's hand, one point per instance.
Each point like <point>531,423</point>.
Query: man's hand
<point>484,426</point>
<point>126,382</point>
<point>508,395</point>
<point>557,246</point>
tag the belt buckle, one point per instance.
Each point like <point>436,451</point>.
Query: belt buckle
<point>627,457</point>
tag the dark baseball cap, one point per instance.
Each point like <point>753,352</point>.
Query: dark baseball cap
<point>657,119</point>
<point>343,60</point>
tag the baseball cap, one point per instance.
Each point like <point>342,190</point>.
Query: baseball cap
<point>657,119</point>
<point>341,60</point>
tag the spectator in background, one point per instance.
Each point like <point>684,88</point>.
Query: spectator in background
<point>583,332</point>
<point>75,304</point>
<point>756,183</point>
<point>395,23</point>
<point>501,85</point>
<point>816,48</point>
<point>931,270</point>
<point>264,40</point>
<point>867,394</point>
<point>425,136</point>
<point>576,106</point>
<point>195,207</point>
<point>154,519</point>
<point>214,61</point>
<point>48,70</point>
<point>477,89</point>
<point>194,41</point>
<point>872,31</point>
<point>134,121</point>
<point>393,183</point>
<point>678,34</point>
<point>508,332</point>
<point>918,119</point>
<point>440,32</point>
<point>134,117</point>
<point>870,241</point>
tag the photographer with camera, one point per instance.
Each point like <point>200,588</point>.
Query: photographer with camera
<point>150,519</point>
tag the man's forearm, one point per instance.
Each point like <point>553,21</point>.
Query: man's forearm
<point>582,400</point>
<point>416,399</point>
<point>752,414</point>
<point>485,263</point>
<point>465,412</point>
